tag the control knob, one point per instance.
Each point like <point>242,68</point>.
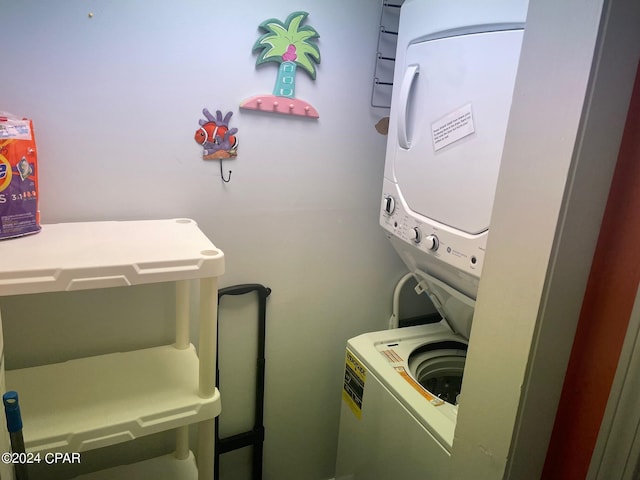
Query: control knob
<point>432,242</point>
<point>417,234</point>
<point>389,205</point>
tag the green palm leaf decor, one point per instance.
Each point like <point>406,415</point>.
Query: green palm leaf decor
<point>277,43</point>
<point>290,44</point>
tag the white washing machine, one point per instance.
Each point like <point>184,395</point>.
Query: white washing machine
<point>455,69</point>
<point>399,403</point>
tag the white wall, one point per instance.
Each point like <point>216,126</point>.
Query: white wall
<point>116,100</point>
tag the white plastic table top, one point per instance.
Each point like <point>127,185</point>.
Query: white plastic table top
<point>76,256</point>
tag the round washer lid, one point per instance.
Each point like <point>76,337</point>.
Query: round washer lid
<point>455,307</point>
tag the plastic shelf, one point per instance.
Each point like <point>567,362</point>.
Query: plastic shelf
<point>167,467</point>
<point>76,256</point>
<point>98,401</point>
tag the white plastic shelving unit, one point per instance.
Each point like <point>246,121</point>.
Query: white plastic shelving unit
<point>107,399</point>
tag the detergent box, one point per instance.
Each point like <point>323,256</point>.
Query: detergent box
<point>19,213</point>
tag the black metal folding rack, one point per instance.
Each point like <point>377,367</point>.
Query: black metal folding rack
<point>255,436</point>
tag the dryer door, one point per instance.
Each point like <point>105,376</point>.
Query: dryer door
<point>451,114</point>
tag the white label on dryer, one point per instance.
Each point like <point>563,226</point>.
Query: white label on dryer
<point>452,127</point>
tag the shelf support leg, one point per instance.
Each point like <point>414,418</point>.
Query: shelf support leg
<point>207,380</point>
<point>206,446</point>
<point>182,443</point>
<point>182,314</point>
<point>208,336</point>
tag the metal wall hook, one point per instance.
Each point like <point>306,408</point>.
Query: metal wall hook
<point>222,174</point>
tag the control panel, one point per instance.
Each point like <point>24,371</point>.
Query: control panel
<point>456,248</point>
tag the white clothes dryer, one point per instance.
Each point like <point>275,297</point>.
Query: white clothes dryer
<point>455,70</point>
<point>456,65</point>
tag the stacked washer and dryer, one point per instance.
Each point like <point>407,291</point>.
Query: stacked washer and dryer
<point>455,70</point>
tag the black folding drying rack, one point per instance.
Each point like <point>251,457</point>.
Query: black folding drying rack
<point>255,436</point>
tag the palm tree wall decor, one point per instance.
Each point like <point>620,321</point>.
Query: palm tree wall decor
<point>290,44</point>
